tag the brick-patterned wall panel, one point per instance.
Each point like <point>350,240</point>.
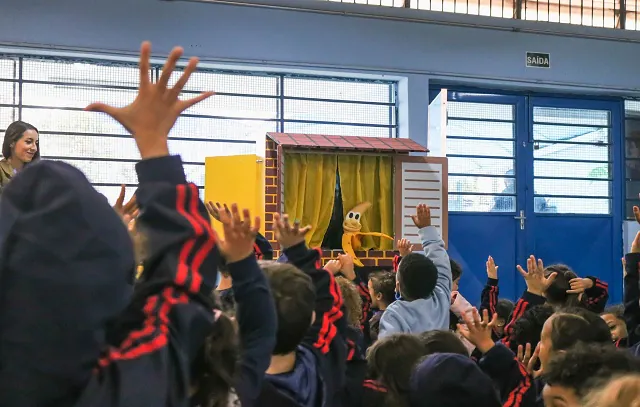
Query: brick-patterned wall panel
<point>372,258</point>
<point>271,190</point>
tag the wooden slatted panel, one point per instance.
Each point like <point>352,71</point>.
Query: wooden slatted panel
<point>421,180</point>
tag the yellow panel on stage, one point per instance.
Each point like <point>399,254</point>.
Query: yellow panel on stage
<point>235,179</point>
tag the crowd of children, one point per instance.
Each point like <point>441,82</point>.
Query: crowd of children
<point>145,305</point>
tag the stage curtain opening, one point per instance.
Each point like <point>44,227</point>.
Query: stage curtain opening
<point>309,191</point>
<point>368,178</point>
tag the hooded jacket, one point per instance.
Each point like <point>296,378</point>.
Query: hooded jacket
<point>73,332</point>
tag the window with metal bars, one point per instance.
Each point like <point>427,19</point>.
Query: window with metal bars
<point>51,94</point>
<point>622,14</point>
<point>632,155</point>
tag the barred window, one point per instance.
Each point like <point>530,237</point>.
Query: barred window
<point>51,93</point>
<point>593,13</point>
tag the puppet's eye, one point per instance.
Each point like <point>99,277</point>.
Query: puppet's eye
<point>357,216</point>
<point>350,215</point>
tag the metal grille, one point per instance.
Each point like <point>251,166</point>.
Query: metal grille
<point>622,14</point>
<point>632,155</point>
<point>51,94</point>
<point>480,148</point>
<point>572,160</point>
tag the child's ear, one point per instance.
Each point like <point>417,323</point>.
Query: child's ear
<point>378,296</point>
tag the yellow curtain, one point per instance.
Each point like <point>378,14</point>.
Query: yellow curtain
<point>368,178</point>
<point>309,191</point>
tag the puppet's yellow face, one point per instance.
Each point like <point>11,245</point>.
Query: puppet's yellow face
<point>352,219</point>
<point>352,222</point>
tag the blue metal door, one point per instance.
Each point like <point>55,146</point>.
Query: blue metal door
<point>574,208</point>
<point>485,193</point>
<point>531,175</point>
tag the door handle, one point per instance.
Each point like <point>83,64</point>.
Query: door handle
<point>521,218</point>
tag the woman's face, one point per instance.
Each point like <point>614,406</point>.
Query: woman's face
<point>617,327</point>
<point>26,147</point>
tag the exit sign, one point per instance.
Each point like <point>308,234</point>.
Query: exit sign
<point>538,60</point>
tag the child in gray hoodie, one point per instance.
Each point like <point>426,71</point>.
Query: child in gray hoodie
<point>424,285</point>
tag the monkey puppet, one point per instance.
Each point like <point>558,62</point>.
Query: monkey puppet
<point>352,235</point>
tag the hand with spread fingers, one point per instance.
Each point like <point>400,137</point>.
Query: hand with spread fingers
<point>152,114</point>
<point>422,218</point>
<point>478,330</point>
<point>286,234</point>
<point>214,210</point>
<point>239,234</point>
<point>534,277</point>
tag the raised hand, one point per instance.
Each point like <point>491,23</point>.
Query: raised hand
<point>239,234</point>
<point>532,363</point>
<point>492,269</point>
<point>214,210</point>
<point>579,285</point>
<point>524,354</point>
<point>636,212</point>
<point>404,247</point>
<point>534,277</point>
<point>348,268</point>
<point>286,234</point>
<point>333,266</point>
<point>422,218</point>
<point>477,330</point>
<point>129,211</point>
<point>150,117</point>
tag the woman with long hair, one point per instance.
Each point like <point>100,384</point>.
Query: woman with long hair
<point>20,147</point>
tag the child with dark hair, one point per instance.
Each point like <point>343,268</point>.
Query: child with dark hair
<point>308,363</point>
<point>424,284</point>
<point>570,375</point>
<point>381,285</point>
<point>391,361</point>
<point>528,328</point>
<point>569,290</point>
<point>442,342</point>
<point>614,318</point>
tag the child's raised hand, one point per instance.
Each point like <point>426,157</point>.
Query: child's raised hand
<point>532,363</point>
<point>348,268</point>
<point>422,218</point>
<point>492,269</point>
<point>534,277</point>
<point>404,247</point>
<point>477,330</point>
<point>214,210</point>
<point>524,354</point>
<point>286,234</point>
<point>150,117</point>
<point>333,266</point>
<point>239,234</point>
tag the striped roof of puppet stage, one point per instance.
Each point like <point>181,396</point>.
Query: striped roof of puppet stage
<point>346,143</point>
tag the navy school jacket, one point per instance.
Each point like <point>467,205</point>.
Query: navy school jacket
<point>141,344</point>
<point>326,338</point>
<point>151,365</point>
